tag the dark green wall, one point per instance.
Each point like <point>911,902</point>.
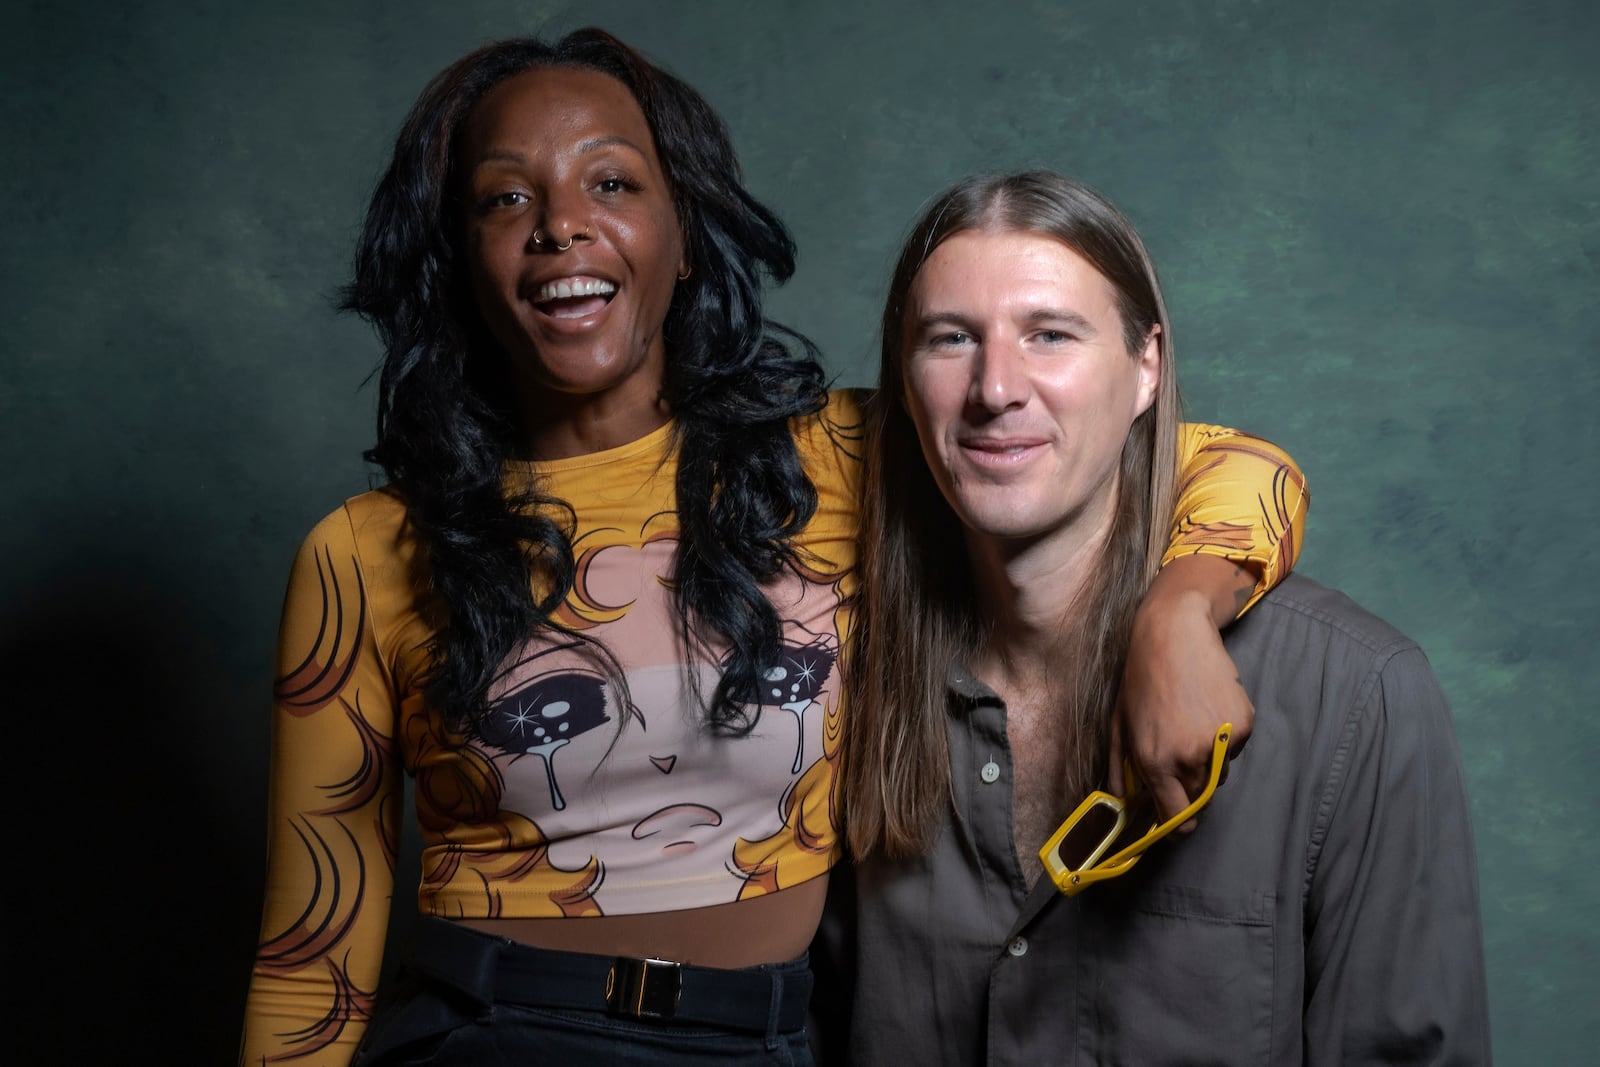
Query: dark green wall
<point>1377,225</point>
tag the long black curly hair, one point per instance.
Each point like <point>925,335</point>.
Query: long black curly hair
<point>446,424</point>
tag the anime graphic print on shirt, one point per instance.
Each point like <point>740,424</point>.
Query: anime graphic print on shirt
<point>604,756</point>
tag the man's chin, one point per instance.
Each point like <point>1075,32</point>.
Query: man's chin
<point>1007,527</point>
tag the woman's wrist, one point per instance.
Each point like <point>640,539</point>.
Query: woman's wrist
<point>1211,585</point>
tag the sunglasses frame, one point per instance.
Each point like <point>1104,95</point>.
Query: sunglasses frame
<point>1094,869</point>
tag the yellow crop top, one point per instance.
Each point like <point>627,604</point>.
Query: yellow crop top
<point>575,796</point>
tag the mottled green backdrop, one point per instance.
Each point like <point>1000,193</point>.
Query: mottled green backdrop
<point>1377,224</point>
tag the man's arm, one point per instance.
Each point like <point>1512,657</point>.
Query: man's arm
<point>1394,946</point>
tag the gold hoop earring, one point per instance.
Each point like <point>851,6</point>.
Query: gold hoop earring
<point>687,270</point>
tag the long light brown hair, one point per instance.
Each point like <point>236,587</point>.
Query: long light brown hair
<point>917,615</point>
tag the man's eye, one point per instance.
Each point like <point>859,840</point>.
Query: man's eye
<point>955,337</point>
<point>1053,337</point>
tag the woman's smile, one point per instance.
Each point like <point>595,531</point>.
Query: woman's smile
<point>574,297</point>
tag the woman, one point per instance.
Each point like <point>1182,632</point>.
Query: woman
<point>615,547</point>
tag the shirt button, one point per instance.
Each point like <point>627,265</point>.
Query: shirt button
<point>990,772</point>
<point>1018,946</point>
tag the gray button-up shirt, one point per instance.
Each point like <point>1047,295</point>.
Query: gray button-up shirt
<point>1325,910</point>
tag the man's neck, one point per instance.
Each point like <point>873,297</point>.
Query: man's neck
<point>1026,594</point>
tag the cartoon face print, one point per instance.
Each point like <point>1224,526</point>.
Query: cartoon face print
<point>627,775</point>
<point>543,714</point>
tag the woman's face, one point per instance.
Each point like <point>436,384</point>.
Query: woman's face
<point>563,155</point>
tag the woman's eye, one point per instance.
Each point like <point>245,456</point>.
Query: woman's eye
<point>510,198</point>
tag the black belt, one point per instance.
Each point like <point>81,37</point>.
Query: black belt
<point>490,969</point>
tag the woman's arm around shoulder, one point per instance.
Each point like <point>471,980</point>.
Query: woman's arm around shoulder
<point>1236,531</point>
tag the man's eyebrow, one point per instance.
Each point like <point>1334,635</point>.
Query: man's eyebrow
<point>933,319</point>
<point>1063,317</point>
<point>1060,316</point>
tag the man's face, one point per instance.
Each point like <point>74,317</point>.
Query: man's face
<point>1020,384</point>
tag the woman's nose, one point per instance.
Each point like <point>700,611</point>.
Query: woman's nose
<point>561,223</point>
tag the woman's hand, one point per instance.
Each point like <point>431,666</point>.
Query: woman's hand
<point>1180,684</point>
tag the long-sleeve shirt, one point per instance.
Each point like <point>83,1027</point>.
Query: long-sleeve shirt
<point>1325,910</point>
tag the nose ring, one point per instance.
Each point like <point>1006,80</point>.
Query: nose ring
<point>540,239</point>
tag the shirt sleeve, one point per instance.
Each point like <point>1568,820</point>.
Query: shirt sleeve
<point>332,825</point>
<point>1239,497</point>
<point>1394,944</point>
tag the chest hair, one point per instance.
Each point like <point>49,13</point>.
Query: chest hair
<point>1037,732</point>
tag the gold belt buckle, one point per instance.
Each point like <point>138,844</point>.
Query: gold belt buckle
<point>643,988</point>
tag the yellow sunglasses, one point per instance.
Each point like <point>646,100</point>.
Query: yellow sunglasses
<point>1072,856</point>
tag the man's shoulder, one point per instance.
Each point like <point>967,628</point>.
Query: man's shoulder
<point>1301,615</point>
<point>1320,666</point>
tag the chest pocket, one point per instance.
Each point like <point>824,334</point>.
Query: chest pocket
<point>1177,974</point>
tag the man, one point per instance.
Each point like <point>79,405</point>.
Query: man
<point>1324,910</point>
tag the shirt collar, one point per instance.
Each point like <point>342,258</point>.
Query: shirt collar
<point>967,691</point>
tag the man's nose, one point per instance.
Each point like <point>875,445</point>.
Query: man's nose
<point>1000,377</point>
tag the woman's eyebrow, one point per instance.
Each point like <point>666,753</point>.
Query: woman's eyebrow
<point>594,144</point>
<point>502,155</point>
<point>582,148</point>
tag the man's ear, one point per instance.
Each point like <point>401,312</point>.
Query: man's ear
<point>1149,364</point>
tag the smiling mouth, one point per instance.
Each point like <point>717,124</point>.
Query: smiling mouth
<point>1001,456</point>
<point>1000,449</point>
<point>574,298</point>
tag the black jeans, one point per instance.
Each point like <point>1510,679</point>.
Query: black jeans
<point>449,1012</point>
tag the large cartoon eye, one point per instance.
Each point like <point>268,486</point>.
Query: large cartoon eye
<point>804,668</point>
<point>560,704</point>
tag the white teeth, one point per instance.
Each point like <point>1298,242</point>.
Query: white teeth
<point>569,287</point>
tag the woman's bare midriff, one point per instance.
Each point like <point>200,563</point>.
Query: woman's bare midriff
<point>765,929</point>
